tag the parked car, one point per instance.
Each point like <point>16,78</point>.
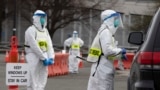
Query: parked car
<point>145,69</point>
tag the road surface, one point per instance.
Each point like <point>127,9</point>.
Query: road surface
<point>70,81</point>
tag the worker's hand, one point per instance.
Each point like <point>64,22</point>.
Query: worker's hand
<point>45,62</point>
<point>123,57</point>
<point>123,51</point>
<point>50,61</point>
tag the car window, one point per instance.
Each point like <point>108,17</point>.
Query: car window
<point>149,31</point>
<point>157,40</point>
<point>146,34</point>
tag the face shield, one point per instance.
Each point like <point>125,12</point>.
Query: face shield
<point>117,21</point>
<point>113,22</point>
<point>75,34</point>
<point>42,17</point>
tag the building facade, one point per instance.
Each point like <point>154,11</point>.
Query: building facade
<point>132,11</point>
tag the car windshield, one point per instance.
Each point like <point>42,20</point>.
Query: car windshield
<point>150,26</point>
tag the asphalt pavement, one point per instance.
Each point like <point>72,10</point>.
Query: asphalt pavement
<point>68,82</point>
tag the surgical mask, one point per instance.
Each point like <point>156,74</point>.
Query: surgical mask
<point>116,23</point>
<point>42,20</point>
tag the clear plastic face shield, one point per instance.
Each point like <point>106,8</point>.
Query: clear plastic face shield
<point>117,21</point>
<point>42,17</point>
<point>113,22</point>
<point>75,34</point>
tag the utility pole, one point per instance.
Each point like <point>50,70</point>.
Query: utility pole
<point>90,31</point>
<point>14,18</point>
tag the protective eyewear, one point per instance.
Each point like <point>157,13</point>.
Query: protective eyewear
<point>116,15</point>
<point>40,14</point>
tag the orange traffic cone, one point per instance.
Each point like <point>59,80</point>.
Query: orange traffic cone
<point>7,57</point>
<point>13,87</point>
<point>22,58</point>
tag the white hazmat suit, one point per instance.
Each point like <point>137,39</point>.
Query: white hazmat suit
<point>102,71</point>
<point>74,43</point>
<point>38,48</point>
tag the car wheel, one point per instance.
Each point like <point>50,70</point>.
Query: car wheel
<point>133,81</point>
<point>128,84</point>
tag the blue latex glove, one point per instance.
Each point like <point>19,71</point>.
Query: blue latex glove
<point>50,61</point>
<point>124,57</point>
<point>45,62</point>
<point>123,51</point>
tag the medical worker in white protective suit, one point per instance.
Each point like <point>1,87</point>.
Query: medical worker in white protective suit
<point>103,51</point>
<point>74,43</point>
<point>39,51</point>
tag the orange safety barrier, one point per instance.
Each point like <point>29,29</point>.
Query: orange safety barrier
<point>57,68</point>
<point>50,71</point>
<point>60,66</point>
<point>126,63</point>
<point>64,63</point>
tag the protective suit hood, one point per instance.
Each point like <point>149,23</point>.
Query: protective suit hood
<point>38,17</point>
<point>111,20</point>
<point>75,34</point>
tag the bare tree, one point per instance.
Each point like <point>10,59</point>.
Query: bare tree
<point>2,14</point>
<point>60,12</point>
